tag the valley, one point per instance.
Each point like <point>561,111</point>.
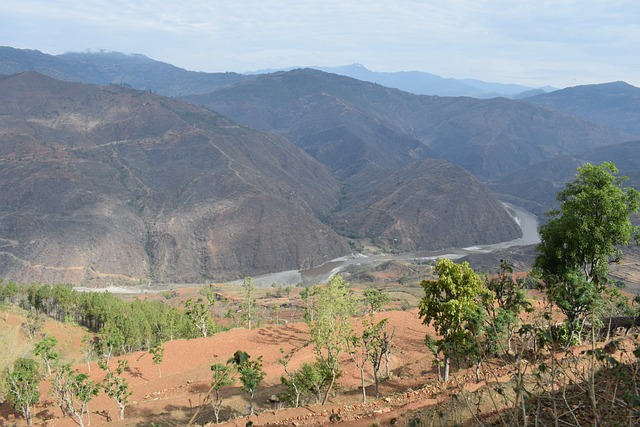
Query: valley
<point>201,214</point>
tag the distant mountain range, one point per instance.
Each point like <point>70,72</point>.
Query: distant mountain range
<point>615,105</point>
<point>422,83</point>
<point>111,181</point>
<point>144,73</point>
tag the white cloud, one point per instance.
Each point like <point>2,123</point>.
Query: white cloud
<point>532,42</point>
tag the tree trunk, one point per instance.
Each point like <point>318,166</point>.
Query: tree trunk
<point>333,380</point>
<point>446,369</point>
<point>377,381</point>
<point>364,390</point>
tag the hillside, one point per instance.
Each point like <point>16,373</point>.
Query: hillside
<point>322,113</point>
<point>615,105</point>
<point>428,204</point>
<point>106,68</point>
<point>112,184</point>
<point>535,187</point>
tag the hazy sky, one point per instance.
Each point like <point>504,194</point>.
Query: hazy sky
<point>531,42</point>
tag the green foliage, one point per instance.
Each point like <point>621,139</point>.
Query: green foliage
<point>157,353</point>
<point>306,385</point>
<point>330,322</point>
<point>110,341</point>
<point>199,312</point>
<point>46,348</point>
<point>21,386</point>
<point>376,299</point>
<point>8,291</point>
<point>221,376</point>
<point>141,323</point>
<point>614,303</point>
<point>378,341</point>
<point>581,239</point>
<point>449,304</point>
<point>511,300</point>
<point>116,386</point>
<point>73,391</point>
<point>249,304</point>
<point>251,375</point>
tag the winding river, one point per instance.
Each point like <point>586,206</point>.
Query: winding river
<point>527,221</point>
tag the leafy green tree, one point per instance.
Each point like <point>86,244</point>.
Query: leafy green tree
<point>73,391</point>
<point>46,348</point>
<point>157,353</point>
<point>376,299</point>
<point>510,300</point>
<point>116,386</point>
<point>21,384</point>
<point>249,304</point>
<point>284,360</point>
<point>449,302</point>
<point>221,376</point>
<point>251,375</point>
<point>199,312</point>
<point>8,291</point>
<point>379,340</point>
<point>110,341</point>
<point>583,237</point>
<point>306,385</point>
<point>330,326</point>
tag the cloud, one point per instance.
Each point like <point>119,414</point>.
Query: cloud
<point>545,42</point>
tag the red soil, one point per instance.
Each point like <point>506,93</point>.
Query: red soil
<point>172,398</point>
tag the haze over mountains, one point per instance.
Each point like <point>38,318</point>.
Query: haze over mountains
<point>257,174</point>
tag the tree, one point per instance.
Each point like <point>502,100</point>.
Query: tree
<point>88,348</point>
<point>307,383</point>
<point>199,312</point>
<point>358,349</point>
<point>157,351</point>
<point>448,303</point>
<point>21,384</point>
<point>330,325</point>
<point>33,324</point>
<point>579,242</point>
<point>221,375</point>
<point>110,341</point>
<point>116,386</point>
<point>251,375</point>
<point>249,304</point>
<point>582,238</point>
<point>73,391</point>
<point>46,348</point>
<point>511,300</point>
<point>284,360</point>
<point>8,291</point>
<point>379,341</point>
<point>376,299</point>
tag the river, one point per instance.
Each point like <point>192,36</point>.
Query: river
<point>526,220</point>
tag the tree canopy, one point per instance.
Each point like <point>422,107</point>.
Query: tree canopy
<point>584,236</point>
<point>449,303</point>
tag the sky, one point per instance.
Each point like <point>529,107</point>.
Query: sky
<point>531,42</point>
